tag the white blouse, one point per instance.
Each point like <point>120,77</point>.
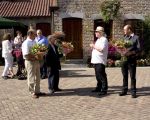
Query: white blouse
<point>6,48</point>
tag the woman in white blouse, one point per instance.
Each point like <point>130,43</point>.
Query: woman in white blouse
<point>7,55</point>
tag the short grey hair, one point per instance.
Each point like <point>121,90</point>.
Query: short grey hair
<point>50,37</point>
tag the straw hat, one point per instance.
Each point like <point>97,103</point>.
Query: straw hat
<point>99,29</point>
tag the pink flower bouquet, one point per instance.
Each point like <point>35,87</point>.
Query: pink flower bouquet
<point>122,47</point>
<point>67,47</point>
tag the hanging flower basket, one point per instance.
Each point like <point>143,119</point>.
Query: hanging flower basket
<point>109,9</point>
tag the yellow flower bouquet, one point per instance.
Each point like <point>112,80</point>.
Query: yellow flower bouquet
<point>39,50</point>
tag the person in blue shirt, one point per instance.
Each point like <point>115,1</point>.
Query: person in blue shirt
<point>40,39</point>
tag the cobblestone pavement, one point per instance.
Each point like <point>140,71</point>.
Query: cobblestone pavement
<point>76,102</point>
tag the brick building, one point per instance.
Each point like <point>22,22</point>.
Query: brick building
<point>77,18</point>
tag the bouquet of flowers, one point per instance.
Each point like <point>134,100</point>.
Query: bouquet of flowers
<point>67,47</point>
<point>39,50</point>
<point>122,47</point>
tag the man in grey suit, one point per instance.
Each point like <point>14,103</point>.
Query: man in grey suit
<point>130,63</point>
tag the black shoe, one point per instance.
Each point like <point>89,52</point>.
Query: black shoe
<point>96,90</point>
<point>102,93</point>
<point>43,77</point>
<point>122,93</point>
<point>133,95</point>
<point>58,89</point>
<point>41,94</point>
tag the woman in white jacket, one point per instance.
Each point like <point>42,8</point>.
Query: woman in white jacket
<point>7,55</point>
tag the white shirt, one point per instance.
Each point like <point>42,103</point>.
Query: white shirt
<point>6,48</point>
<point>18,40</point>
<point>26,46</point>
<point>97,56</point>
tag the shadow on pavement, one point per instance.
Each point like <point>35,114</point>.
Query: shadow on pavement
<point>114,89</point>
<point>143,91</point>
<point>74,73</point>
<point>85,92</point>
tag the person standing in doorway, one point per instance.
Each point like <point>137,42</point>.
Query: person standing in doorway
<point>99,60</point>
<point>130,63</point>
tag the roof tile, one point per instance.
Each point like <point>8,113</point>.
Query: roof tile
<point>26,8</point>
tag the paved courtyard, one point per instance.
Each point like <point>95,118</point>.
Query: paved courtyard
<point>76,102</point>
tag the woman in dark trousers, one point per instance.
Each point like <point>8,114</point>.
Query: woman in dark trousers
<point>53,65</point>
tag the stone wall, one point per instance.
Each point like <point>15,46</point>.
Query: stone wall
<point>89,10</point>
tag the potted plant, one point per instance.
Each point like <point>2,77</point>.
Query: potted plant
<point>109,9</point>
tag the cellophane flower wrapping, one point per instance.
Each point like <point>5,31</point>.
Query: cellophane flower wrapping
<point>39,50</point>
<point>122,47</point>
<point>65,48</point>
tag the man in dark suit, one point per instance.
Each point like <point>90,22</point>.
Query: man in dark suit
<point>130,63</point>
<point>53,64</point>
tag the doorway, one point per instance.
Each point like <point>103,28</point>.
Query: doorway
<point>72,28</point>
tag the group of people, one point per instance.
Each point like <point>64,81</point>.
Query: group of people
<point>51,61</point>
<point>35,70</point>
<point>99,60</point>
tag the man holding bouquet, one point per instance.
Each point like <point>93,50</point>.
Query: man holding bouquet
<point>130,63</point>
<point>42,40</point>
<point>32,65</point>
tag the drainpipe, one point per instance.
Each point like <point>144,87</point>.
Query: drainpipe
<point>52,9</point>
<point>52,21</point>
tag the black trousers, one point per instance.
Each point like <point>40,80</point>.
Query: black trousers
<point>129,66</point>
<point>53,79</point>
<point>101,77</point>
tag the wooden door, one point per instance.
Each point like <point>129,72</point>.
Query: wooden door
<point>72,27</point>
<point>45,27</point>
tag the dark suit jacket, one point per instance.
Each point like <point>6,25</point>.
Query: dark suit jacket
<point>135,45</point>
<point>53,58</point>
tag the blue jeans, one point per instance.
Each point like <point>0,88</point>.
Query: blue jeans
<point>53,79</point>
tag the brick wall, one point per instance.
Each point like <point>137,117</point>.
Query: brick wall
<point>88,8</point>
